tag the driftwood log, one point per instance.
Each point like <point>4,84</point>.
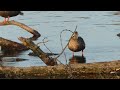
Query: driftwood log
<point>98,70</point>
<point>43,56</point>
<point>8,45</point>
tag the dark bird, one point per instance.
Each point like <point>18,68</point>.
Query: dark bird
<point>117,13</point>
<point>76,43</point>
<point>8,14</point>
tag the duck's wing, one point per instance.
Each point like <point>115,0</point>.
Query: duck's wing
<point>81,42</point>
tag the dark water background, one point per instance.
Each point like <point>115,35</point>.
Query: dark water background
<point>98,28</point>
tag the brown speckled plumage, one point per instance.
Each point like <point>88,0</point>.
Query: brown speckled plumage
<point>76,43</point>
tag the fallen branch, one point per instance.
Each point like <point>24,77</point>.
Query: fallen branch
<point>8,45</point>
<point>43,56</point>
<point>36,35</point>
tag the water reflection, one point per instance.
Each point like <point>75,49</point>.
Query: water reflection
<point>9,53</point>
<point>77,59</point>
<point>11,59</point>
<point>10,56</point>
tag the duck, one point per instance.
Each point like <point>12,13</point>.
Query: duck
<point>8,14</point>
<point>76,43</point>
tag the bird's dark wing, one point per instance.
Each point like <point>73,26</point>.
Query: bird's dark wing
<point>81,41</point>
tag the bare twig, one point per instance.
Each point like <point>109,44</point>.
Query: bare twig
<point>46,46</point>
<point>68,67</point>
<point>62,44</point>
<point>50,50</point>
<point>43,56</point>
<point>42,42</point>
<point>67,43</point>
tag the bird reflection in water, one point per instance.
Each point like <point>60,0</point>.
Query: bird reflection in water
<point>77,59</point>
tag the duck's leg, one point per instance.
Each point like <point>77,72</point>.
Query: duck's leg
<point>73,55</point>
<point>82,53</point>
<point>8,18</point>
<point>4,20</point>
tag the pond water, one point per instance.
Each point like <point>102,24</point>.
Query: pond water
<point>98,29</point>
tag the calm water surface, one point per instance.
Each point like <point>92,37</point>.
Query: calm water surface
<point>98,28</point>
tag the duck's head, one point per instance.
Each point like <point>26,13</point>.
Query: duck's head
<point>75,35</point>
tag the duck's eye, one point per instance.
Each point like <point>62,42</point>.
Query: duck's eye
<point>73,35</point>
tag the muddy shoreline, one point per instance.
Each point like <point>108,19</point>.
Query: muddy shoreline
<point>99,70</point>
